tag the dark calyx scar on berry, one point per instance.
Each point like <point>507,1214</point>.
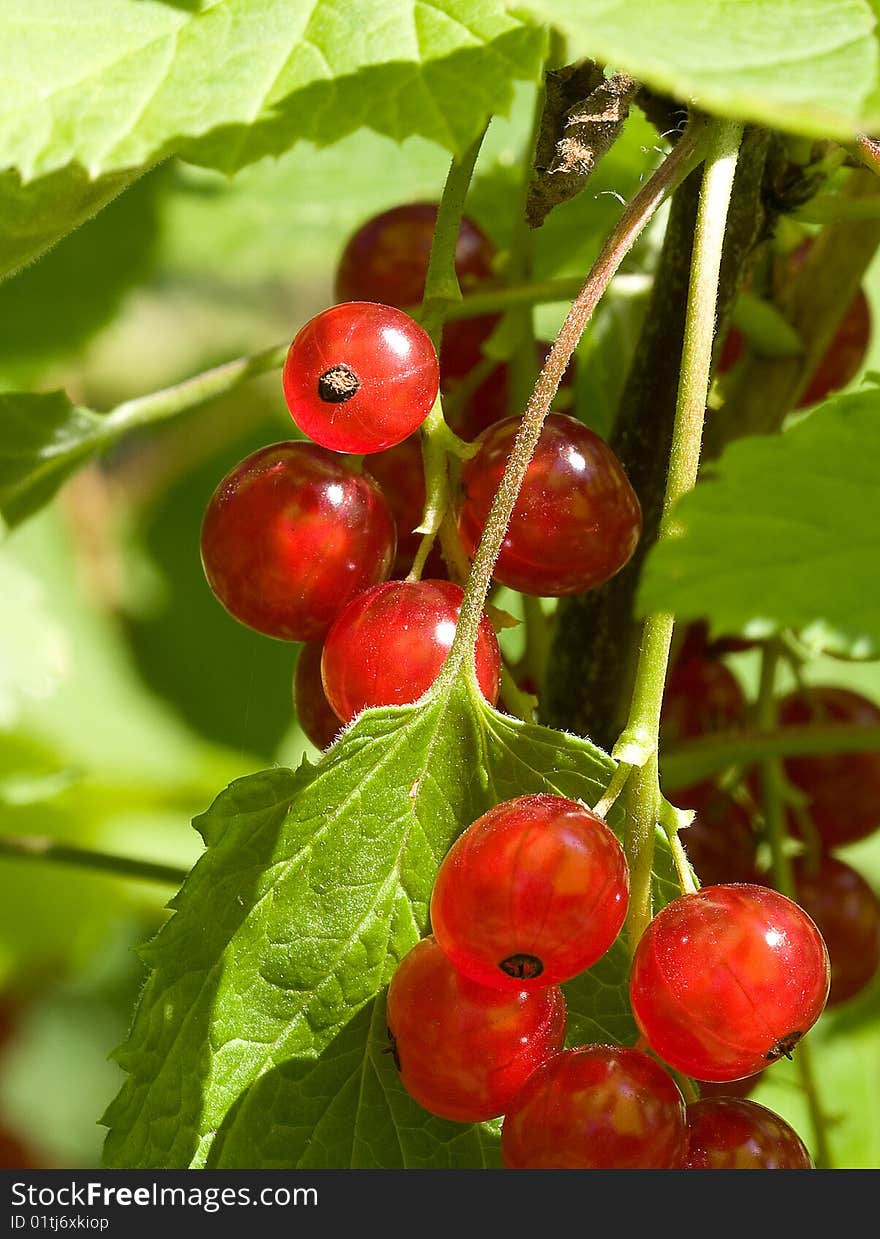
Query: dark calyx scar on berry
<point>338,384</point>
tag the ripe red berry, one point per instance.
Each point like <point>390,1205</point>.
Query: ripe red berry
<point>463,1050</point>
<point>726,980</point>
<point>577,519</point>
<point>531,894</point>
<point>843,788</point>
<point>386,260</point>
<point>360,377</point>
<point>290,535</point>
<point>400,473</point>
<point>596,1107</point>
<point>313,710</point>
<point>728,1133</point>
<point>844,356</point>
<point>847,912</point>
<point>388,645</point>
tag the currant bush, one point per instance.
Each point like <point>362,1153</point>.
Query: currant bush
<point>596,1107</point>
<point>360,377</point>
<point>465,1050</point>
<point>727,979</point>
<point>530,894</point>
<point>290,535</point>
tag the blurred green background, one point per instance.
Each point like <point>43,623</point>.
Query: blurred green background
<point>128,698</point>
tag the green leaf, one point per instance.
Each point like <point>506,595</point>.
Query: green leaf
<point>102,88</point>
<point>259,1038</point>
<point>807,66</point>
<point>783,533</point>
<point>43,439</point>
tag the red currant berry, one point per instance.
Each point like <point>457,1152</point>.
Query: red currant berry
<point>726,980</point>
<point>313,710</point>
<point>596,1107</point>
<point>727,1133</point>
<point>290,535</point>
<point>844,356</point>
<point>388,645</point>
<point>463,1050</point>
<point>531,894</point>
<point>400,473</point>
<point>360,377</point>
<point>386,260</point>
<point>702,695</point>
<point>843,788</point>
<point>720,842</point>
<point>847,913</point>
<point>577,519</point>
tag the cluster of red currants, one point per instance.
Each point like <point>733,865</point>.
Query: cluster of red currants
<point>723,982</point>
<point>311,541</point>
<point>839,804</point>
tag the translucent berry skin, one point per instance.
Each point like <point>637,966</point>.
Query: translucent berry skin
<point>577,519</point>
<point>388,645</point>
<point>360,377</point>
<point>847,912</point>
<point>290,535</point>
<point>596,1107</point>
<point>386,260</point>
<point>531,894</point>
<point>313,710</point>
<point>464,1051</point>
<point>843,788</point>
<point>728,1133</point>
<point>400,473</point>
<point>726,980</point>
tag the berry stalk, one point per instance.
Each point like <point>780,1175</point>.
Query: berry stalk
<point>678,164</point>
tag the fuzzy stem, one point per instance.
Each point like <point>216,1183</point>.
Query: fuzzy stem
<point>677,165</point>
<point>638,744</point>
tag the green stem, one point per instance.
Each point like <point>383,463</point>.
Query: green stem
<point>530,292</point>
<point>40,848</point>
<point>677,165</point>
<point>707,755</point>
<point>638,744</point>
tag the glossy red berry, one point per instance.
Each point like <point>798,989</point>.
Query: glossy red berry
<point>386,260</point>
<point>290,535</point>
<point>360,377</point>
<point>577,519</point>
<point>313,710</point>
<point>844,356</point>
<point>531,894</point>
<point>843,789</point>
<point>388,645</point>
<point>596,1107</point>
<point>847,912</point>
<point>463,1050</point>
<point>726,980</point>
<point>728,1133</point>
<point>721,842</point>
<point>400,473</point>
